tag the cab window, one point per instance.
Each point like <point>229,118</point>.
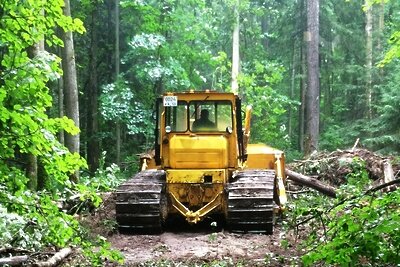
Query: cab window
<point>210,116</point>
<point>176,117</point>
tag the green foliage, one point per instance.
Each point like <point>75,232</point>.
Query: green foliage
<point>385,128</point>
<point>105,179</point>
<point>333,138</point>
<point>119,104</point>
<point>358,229</point>
<point>145,47</point>
<point>356,181</point>
<point>394,51</point>
<point>268,104</point>
<point>24,96</point>
<point>363,231</point>
<point>306,209</point>
<point>28,219</point>
<point>34,221</point>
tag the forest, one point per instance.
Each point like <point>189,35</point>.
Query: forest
<point>79,80</point>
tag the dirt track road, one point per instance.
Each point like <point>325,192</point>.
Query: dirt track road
<point>194,248</point>
<point>184,245</point>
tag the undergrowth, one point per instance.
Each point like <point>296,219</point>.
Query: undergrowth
<point>361,227</point>
<point>39,220</point>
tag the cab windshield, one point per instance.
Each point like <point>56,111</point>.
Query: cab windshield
<point>199,116</point>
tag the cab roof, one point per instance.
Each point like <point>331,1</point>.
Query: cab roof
<point>203,95</point>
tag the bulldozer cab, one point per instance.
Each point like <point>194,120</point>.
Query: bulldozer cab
<point>197,125</point>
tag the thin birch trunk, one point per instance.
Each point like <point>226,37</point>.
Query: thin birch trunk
<point>70,88</point>
<point>235,51</point>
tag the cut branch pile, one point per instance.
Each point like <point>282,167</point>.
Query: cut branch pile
<point>326,171</point>
<point>333,167</point>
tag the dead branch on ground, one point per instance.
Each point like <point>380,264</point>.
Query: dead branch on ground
<point>311,182</point>
<point>56,259</point>
<point>14,260</point>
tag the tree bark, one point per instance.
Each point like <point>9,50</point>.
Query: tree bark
<point>32,162</point>
<point>235,50</point>
<point>381,36</point>
<point>368,60</point>
<point>292,86</point>
<point>381,25</point>
<point>303,82</point>
<point>264,25</point>
<point>56,259</point>
<point>70,88</point>
<point>311,182</point>
<point>388,171</point>
<point>14,261</point>
<point>61,133</point>
<point>312,94</point>
<point>93,144</point>
<point>118,141</point>
<point>32,171</point>
<point>117,59</point>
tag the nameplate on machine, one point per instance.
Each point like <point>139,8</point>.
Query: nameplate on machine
<point>170,101</point>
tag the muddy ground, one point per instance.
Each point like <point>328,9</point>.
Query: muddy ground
<point>202,245</point>
<point>194,247</point>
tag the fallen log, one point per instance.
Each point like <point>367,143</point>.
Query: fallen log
<point>56,259</point>
<point>311,182</point>
<point>13,261</point>
<point>11,250</point>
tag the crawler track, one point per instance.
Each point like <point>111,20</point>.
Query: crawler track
<point>250,201</point>
<point>139,202</point>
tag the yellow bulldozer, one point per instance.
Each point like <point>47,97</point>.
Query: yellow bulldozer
<point>202,165</point>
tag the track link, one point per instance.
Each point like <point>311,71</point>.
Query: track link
<point>139,202</point>
<point>250,201</point>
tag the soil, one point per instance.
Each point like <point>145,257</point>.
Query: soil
<point>198,247</point>
<point>184,245</point>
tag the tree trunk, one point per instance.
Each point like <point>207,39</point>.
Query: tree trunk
<point>328,87</point>
<point>118,141</point>
<point>32,171</point>
<point>60,91</point>
<point>61,133</point>
<point>312,95</point>
<point>311,182</point>
<point>70,88</point>
<point>93,144</point>
<point>381,36</point>
<point>118,124</point>
<point>32,162</point>
<point>117,57</point>
<point>235,50</point>
<point>303,90</point>
<point>303,81</point>
<point>381,25</point>
<point>368,60</point>
<point>14,261</point>
<point>292,86</point>
<point>264,25</point>
<point>56,259</point>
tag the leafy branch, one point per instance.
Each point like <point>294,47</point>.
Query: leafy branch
<point>363,227</point>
